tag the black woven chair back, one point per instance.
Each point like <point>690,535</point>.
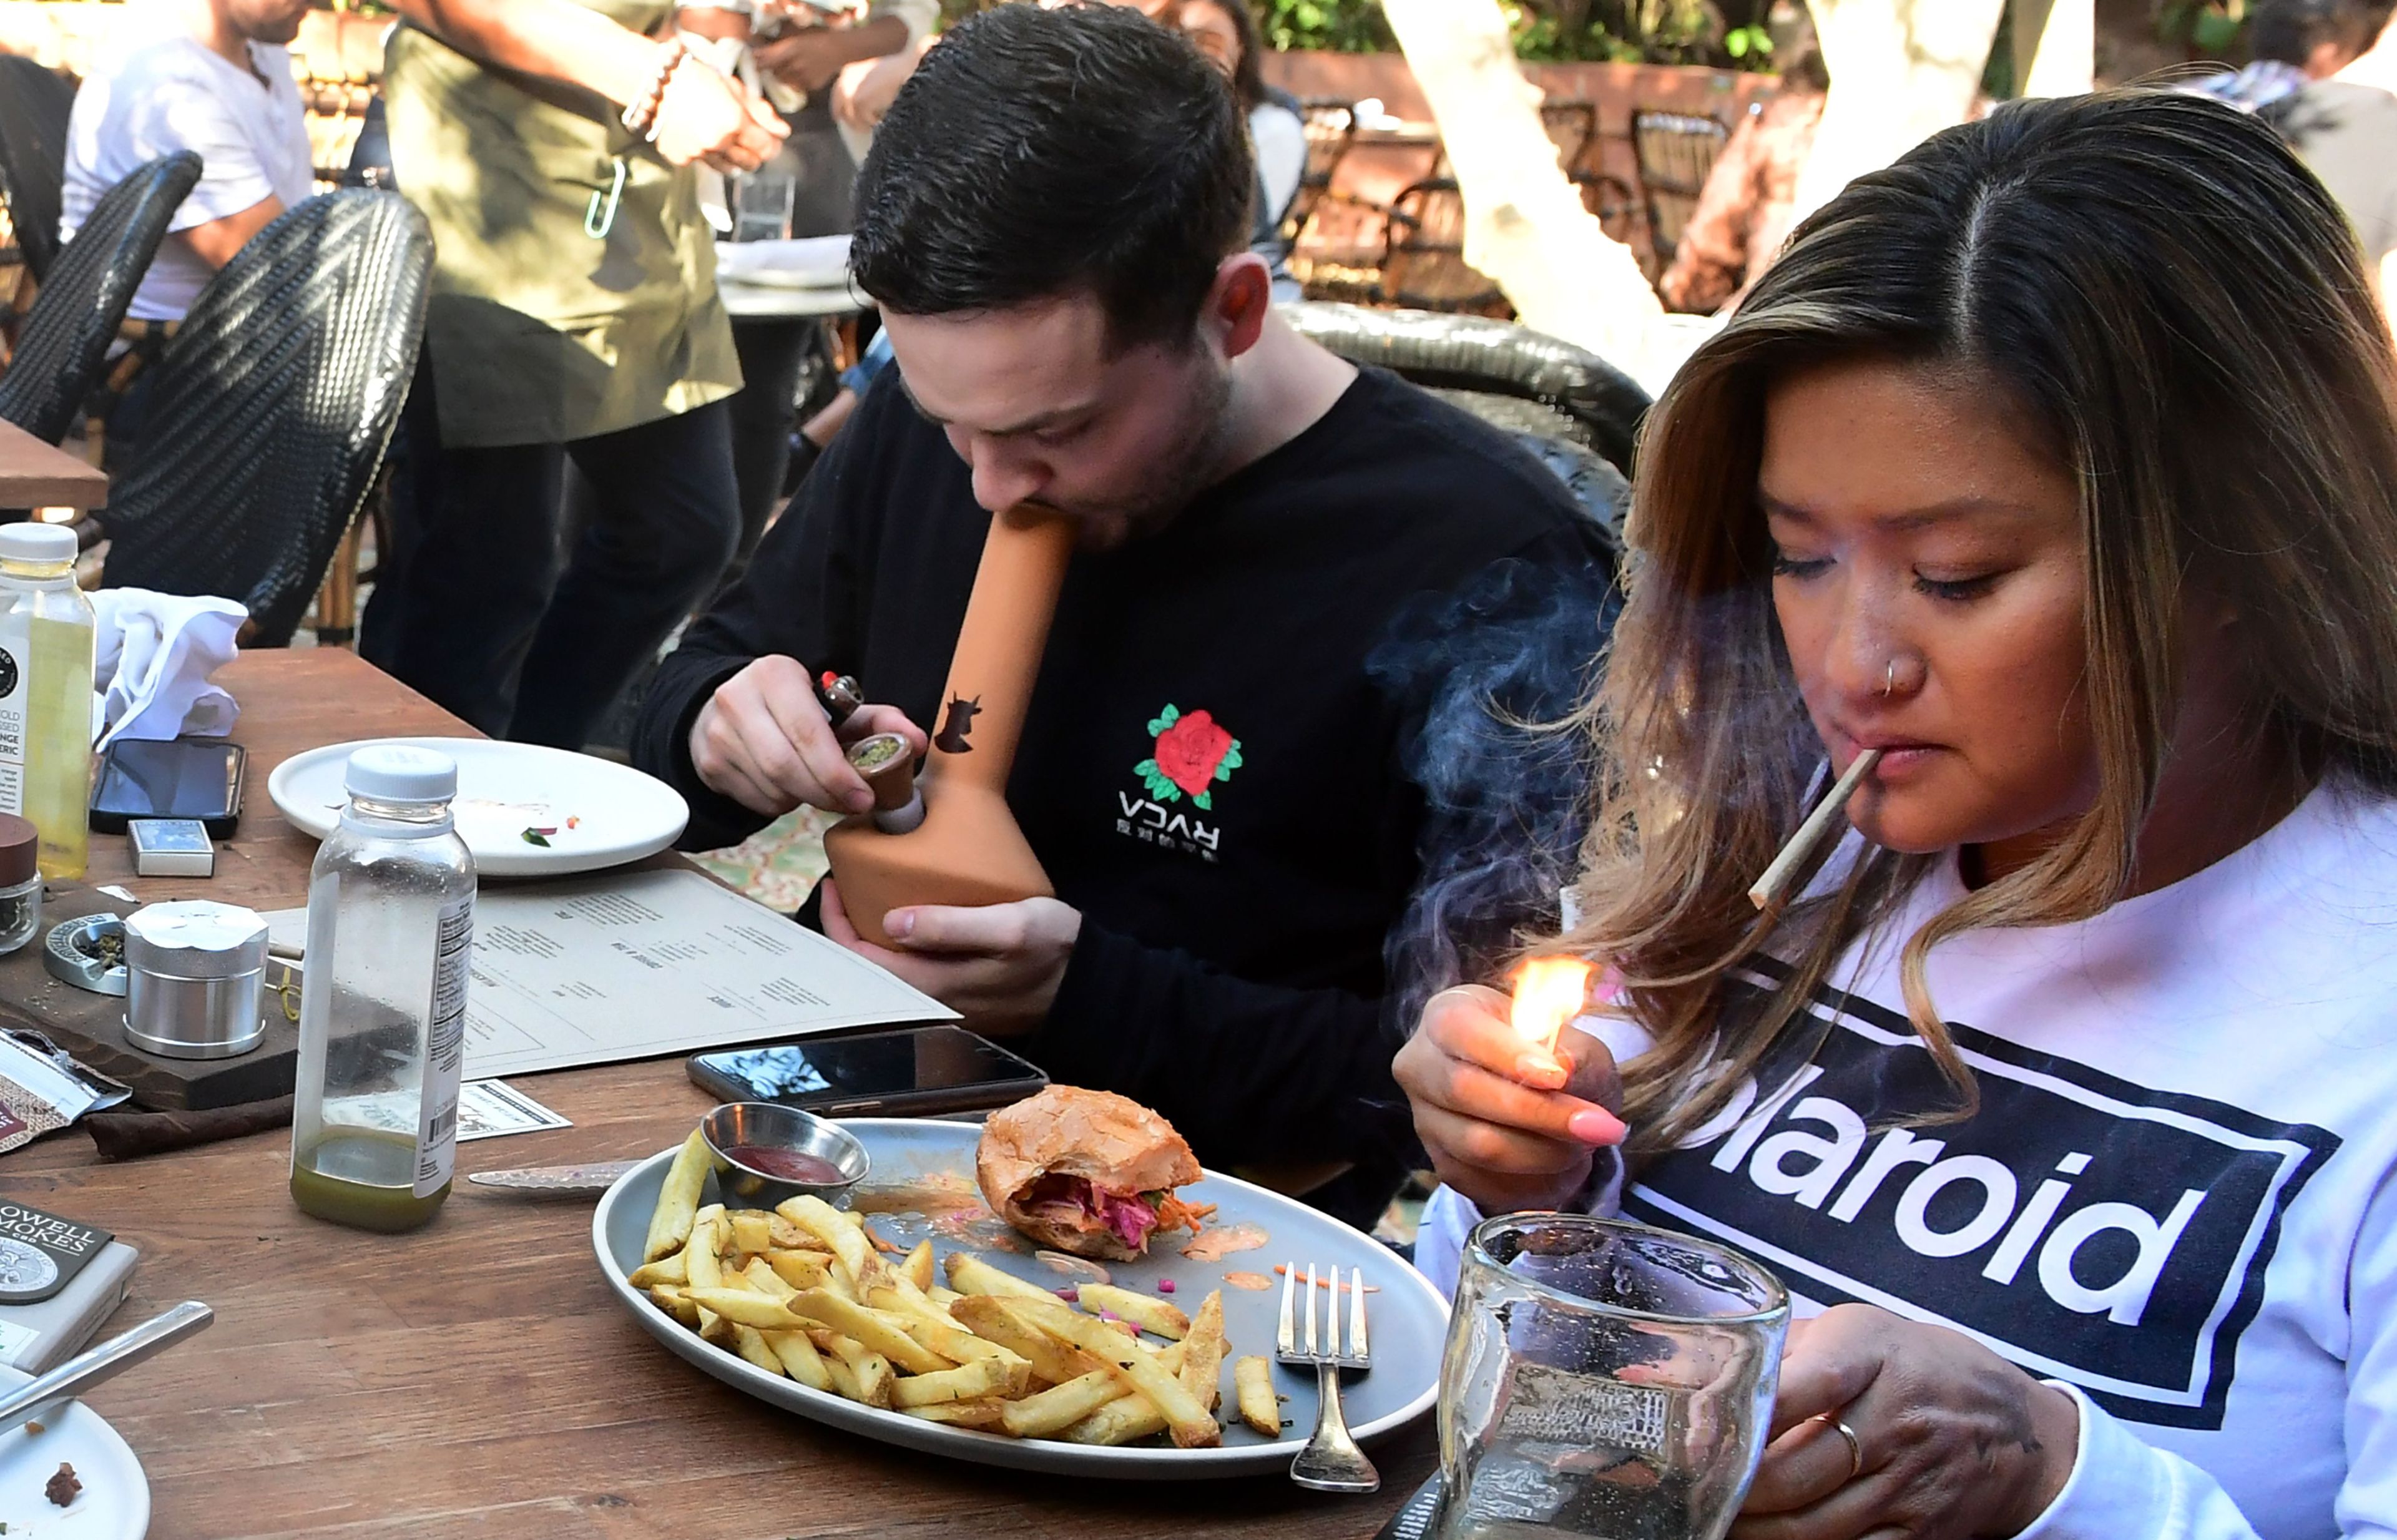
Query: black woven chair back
<point>64,344</point>
<point>1676,151</point>
<point>1330,127</point>
<point>1423,254</point>
<point>270,411</point>
<point>34,107</point>
<point>1589,400</point>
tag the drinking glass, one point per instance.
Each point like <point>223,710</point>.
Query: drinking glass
<point>762,201</point>
<point>1604,1379</point>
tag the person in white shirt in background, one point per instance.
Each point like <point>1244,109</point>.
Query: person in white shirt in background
<point>2057,462</point>
<point>218,82</point>
<point>1226,34</point>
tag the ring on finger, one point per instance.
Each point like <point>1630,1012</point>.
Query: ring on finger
<point>1855,1445</point>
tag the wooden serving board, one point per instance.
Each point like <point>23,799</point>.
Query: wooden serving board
<point>91,1027</point>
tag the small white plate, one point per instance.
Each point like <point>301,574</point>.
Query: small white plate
<point>601,813</point>
<point>115,1502</point>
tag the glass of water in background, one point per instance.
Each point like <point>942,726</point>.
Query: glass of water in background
<point>1604,1379</point>
<point>762,200</point>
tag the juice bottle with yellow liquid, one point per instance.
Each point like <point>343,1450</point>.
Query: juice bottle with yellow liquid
<point>46,666</point>
<point>383,997</point>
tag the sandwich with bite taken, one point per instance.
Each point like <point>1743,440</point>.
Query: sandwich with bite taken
<point>1087,1172</point>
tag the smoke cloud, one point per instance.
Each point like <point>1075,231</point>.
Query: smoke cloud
<point>1495,665</point>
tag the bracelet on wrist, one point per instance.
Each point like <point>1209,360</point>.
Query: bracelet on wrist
<point>640,115</point>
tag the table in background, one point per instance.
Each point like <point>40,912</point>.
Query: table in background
<point>775,301</point>
<point>476,1378</point>
<point>35,474</point>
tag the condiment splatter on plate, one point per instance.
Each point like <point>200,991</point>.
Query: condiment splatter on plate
<point>1223,1240</point>
<point>1252,1282</point>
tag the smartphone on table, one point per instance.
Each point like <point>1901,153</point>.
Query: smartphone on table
<point>197,778</point>
<point>913,1072</point>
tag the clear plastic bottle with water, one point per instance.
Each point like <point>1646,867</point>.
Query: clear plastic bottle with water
<point>46,666</point>
<point>382,1000</point>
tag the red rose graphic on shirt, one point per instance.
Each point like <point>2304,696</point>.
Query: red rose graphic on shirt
<point>1193,752</point>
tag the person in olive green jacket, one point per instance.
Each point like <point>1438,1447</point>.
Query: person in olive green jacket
<point>574,317</point>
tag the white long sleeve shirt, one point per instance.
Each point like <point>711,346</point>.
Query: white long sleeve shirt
<point>2176,1200</point>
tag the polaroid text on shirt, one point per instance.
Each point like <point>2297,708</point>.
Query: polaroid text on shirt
<point>2089,1229</point>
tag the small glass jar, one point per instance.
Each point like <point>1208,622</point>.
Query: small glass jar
<point>20,882</point>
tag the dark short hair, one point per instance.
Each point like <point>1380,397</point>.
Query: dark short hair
<point>1043,153</point>
<point>2289,31</point>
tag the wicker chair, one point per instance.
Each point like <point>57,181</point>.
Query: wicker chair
<point>272,407</point>
<point>1519,379</point>
<point>34,107</point>
<point>66,336</point>
<point>1676,151</point>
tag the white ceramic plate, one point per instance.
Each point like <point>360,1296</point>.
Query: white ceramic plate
<point>816,261</point>
<point>115,1502</point>
<point>603,813</point>
<point>1407,1319</point>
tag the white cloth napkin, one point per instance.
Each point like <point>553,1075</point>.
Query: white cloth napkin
<point>154,655</point>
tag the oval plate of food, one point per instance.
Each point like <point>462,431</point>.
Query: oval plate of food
<point>923,1190</point>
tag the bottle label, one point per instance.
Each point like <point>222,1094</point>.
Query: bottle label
<point>16,648</point>
<point>445,1049</point>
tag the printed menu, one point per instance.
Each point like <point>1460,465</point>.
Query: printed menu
<point>627,965</point>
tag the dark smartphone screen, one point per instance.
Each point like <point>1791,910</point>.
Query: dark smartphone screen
<point>931,1063</point>
<point>179,778</point>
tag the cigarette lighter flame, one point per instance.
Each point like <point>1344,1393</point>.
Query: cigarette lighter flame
<point>1548,993</point>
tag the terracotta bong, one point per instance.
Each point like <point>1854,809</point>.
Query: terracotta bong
<point>965,848</point>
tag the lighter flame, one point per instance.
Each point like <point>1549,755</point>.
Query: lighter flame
<point>1548,993</point>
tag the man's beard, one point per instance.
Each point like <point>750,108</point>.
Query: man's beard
<point>1193,467</point>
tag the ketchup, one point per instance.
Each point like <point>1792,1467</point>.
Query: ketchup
<point>790,1165</point>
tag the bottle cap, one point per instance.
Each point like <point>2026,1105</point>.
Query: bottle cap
<point>19,843</point>
<point>394,773</point>
<point>31,542</point>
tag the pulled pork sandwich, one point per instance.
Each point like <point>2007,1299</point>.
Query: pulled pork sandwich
<point>1087,1172</point>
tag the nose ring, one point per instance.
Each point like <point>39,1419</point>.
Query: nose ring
<point>1889,679</point>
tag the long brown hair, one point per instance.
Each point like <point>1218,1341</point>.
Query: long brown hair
<point>2178,309</point>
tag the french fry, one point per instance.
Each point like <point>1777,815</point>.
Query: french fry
<point>943,1295</point>
<point>752,1230</point>
<point>671,1269</point>
<point>744,1306</point>
<point>834,1229</point>
<point>1049,1412</point>
<point>783,1236</point>
<point>1202,1353</point>
<point>1119,1421</point>
<point>918,1268</point>
<point>669,1298</point>
<point>966,1383</point>
<point>677,1198</point>
<point>1252,1386</point>
<point>853,1320</point>
<point>700,1269</point>
<point>751,1343</point>
<point>973,1275</point>
<point>761,1276</point>
<point>1144,1311</point>
<point>799,1269</point>
<point>1192,1426</point>
<point>800,1360</point>
<point>869,1372</point>
<point>993,1319</point>
<point>984,1414</point>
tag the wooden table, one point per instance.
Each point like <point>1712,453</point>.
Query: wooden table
<point>476,1378</point>
<point>35,474</point>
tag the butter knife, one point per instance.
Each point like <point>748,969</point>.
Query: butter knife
<point>588,1180</point>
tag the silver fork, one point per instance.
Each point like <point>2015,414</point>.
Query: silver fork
<point>1330,1462</point>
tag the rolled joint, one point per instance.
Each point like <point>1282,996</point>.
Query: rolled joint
<point>889,767</point>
